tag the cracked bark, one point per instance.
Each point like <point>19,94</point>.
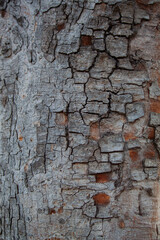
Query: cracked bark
<point>80,116</point>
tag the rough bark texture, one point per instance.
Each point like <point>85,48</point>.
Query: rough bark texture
<point>80,119</point>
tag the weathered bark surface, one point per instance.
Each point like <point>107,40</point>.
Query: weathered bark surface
<point>80,119</point>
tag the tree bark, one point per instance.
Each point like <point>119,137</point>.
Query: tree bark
<point>80,119</point>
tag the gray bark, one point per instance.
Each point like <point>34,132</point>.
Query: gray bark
<point>80,119</point>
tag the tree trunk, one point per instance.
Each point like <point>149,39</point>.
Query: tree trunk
<point>80,119</point>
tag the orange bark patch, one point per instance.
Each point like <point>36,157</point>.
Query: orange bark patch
<point>103,177</point>
<point>86,40</point>
<point>60,27</point>
<point>151,133</point>
<point>94,131</point>
<point>101,199</point>
<point>3,13</point>
<point>23,96</point>
<point>129,136</point>
<point>52,147</point>
<point>60,210</point>
<point>20,138</point>
<point>155,75</point>
<point>26,168</point>
<point>149,153</point>
<point>155,106</point>
<point>51,211</point>
<point>4,101</point>
<point>103,6</point>
<point>133,155</point>
<point>121,224</point>
<point>61,119</point>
